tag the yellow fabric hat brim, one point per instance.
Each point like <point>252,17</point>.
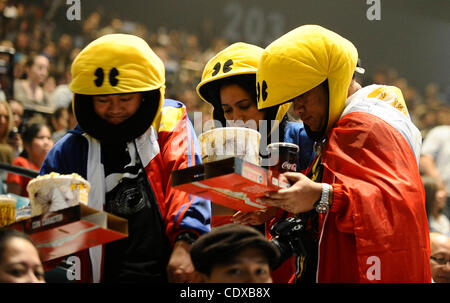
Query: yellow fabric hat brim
<point>244,57</point>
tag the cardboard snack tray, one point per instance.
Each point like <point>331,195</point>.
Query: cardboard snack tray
<point>232,182</point>
<point>71,230</point>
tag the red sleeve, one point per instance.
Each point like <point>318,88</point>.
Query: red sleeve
<point>18,179</point>
<point>179,149</point>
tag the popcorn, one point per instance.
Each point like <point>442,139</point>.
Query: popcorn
<point>52,192</point>
<point>222,143</point>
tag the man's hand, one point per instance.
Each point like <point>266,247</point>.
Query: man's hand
<point>298,198</point>
<point>180,268</point>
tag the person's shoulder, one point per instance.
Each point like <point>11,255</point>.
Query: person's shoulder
<point>294,126</point>
<point>72,139</point>
<point>173,103</point>
<point>171,113</point>
<point>440,130</point>
<point>20,161</point>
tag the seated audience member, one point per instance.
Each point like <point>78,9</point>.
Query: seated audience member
<point>19,259</point>
<point>234,253</point>
<point>6,125</point>
<point>59,122</point>
<point>29,91</point>
<point>435,199</point>
<point>72,120</point>
<point>440,257</point>
<point>6,151</point>
<point>37,141</point>
<point>14,137</point>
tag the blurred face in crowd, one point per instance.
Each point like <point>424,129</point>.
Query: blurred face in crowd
<point>17,110</point>
<point>20,263</point>
<point>61,122</point>
<point>40,145</point>
<point>312,108</point>
<point>38,72</point>
<point>115,109</point>
<point>238,105</point>
<point>4,120</point>
<point>440,257</point>
<point>250,266</point>
<point>441,198</point>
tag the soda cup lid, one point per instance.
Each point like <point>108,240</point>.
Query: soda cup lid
<point>282,144</point>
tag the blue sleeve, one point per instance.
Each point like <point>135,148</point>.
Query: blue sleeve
<point>295,133</point>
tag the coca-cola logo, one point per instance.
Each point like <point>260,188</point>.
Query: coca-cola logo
<point>289,166</point>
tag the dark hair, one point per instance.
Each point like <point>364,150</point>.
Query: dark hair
<point>430,185</point>
<point>246,82</point>
<point>7,234</point>
<point>30,132</point>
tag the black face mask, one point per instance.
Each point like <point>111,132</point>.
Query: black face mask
<point>126,131</point>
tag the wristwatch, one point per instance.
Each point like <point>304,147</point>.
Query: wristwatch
<point>323,205</point>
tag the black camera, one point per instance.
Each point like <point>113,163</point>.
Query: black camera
<point>290,237</point>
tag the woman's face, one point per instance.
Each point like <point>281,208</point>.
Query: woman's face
<point>17,111</point>
<point>4,120</point>
<point>20,263</point>
<point>238,105</point>
<point>115,109</point>
<point>441,198</point>
<point>62,122</point>
<point>40,145</point>
<point>39,70</point>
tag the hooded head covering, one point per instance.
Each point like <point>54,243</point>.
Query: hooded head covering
<point>237,59</point>
<point>301,60</point>
<point>117,64</point>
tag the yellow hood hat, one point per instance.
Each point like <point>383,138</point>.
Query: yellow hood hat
<point>237,59</point>
<point>117,64</point>
<point>301,60</point>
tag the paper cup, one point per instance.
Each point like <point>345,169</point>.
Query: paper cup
<point>221,143</point>
<point>283,156</point>
<point>7,210</point>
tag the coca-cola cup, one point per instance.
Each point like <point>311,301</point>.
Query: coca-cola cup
<point>283,157</point>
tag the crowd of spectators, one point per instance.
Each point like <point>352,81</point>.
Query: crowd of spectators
<point>27,27</point>
<point>44,53</point>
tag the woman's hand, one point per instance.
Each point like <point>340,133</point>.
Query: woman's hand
<point>298,198</point>
<point>255,217</point>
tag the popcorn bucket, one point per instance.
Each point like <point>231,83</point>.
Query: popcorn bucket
<point>221,143</point>
<point>53,192</point>
<point>7,210</point>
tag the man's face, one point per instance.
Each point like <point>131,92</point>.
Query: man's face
<point>250,266</point>
<point>115,109</point>
<point>440,259</point>
<point>312,108</point>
